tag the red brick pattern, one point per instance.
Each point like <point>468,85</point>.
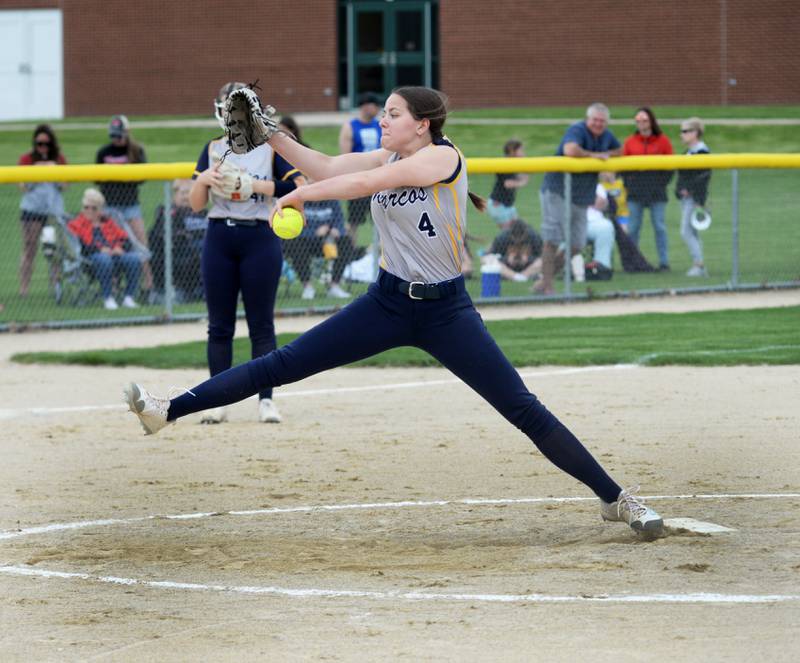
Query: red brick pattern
<point>148,56</point>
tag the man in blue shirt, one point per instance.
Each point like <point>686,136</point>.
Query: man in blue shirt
<point>361,134</point>
<point>586,139</point>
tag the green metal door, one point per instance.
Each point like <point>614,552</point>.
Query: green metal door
<point>389,44</point>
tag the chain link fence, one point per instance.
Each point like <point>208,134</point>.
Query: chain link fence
<point>747,229</point>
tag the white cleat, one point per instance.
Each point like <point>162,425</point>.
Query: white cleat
<point>631,510</point>
<point>268,412</point>
<point>151,410</point>
<point>218,415</point>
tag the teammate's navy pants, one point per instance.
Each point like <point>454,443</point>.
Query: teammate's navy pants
<point>449,329</point>
<point>247,259</point>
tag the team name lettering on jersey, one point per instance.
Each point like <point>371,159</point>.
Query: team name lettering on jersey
<point>401,198</point>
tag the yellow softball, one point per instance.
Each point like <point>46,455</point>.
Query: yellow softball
<point>288,226</point>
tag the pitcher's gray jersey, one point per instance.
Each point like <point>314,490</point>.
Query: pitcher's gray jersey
<point>422,228</point>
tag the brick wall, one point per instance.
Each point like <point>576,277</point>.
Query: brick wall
<point>148,56</point>
<point>574,51</point>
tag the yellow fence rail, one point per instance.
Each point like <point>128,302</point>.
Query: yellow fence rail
<point>477,165</point>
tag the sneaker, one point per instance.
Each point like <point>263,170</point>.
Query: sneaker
<point>697,270</point>
<point>663,268</point>
<point>633,511</point>
<point>337,292</point>
<point>110,304</point>
<point>151,410</point>
<point>308,292</point>
<point>268,412</point>
<point>129,302</point>
<point>519,277</point>
<point>218,415</point>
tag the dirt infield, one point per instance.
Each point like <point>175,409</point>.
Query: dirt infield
<point>445,535</point>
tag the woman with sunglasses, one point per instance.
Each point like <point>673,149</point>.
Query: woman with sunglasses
<point>692,191</point>
<point>418,186</point>
<point>40,200</point>
<point>108,249</point>
<point>648,188</point>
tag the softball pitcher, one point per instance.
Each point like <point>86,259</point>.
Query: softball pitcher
<point>240,251</point>
<point>418,186</point>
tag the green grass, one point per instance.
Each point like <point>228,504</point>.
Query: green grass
<point>769,237</point>
<point>717,338</point>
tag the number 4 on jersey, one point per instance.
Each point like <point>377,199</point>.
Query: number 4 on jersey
<point>425,225</point>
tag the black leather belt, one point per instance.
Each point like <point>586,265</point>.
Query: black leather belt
<point>250,223</point>
<point>418,289</point>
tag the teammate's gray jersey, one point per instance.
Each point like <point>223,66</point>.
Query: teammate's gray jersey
<point>257,163</point>
<point>422,228</point>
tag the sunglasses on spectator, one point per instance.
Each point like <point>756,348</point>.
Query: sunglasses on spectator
<point>42,143</point>
<point>687,131</point>
<point>90,207</point>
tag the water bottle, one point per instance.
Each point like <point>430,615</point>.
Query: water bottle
<point>490,276</point>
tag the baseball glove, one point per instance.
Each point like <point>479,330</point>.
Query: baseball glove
<point>247,124</point>
<point>237,185</point>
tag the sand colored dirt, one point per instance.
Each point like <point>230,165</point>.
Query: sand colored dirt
<point>677,431</point>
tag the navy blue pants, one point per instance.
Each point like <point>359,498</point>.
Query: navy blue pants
<point>449,329</point>
<point>240,259</point>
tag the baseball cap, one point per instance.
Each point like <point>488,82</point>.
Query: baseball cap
<point>118,127</point>
<point>369,98</point>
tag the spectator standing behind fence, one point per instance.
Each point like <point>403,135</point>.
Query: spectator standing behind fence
<point>361,134</point>
<point>519,249</point>
<point>108,249</point>
<point>589,138</point>
<point>648,188</point>
<point>40,200</point>
<point>500,205</point>
<point>188,233</point>
<point>241,254</point>
<point>692,191</point>
<point>122,198</point>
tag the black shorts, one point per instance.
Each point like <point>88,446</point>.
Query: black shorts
<point>33,217</point>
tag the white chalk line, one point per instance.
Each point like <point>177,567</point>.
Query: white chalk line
<point>645,359</point>
<point>11,413</point>
<point>396,594</point>
<point>374,506</point>
<point>699,597</point>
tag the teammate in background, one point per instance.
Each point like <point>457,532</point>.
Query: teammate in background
<point>240,254</point>
<point>418,185</point>
<point>40,200</point>
<point>616,192</point>
<point>692,191</point>
<point>500,205</point>
<point>588,139</point>
<point>122,198</point>
<point>648,188</point>
<point>361,134</point>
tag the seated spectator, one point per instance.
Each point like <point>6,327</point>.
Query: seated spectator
<point>617,198</point>
<point>519,249</point>
<point>323,236</point>
<point>107,248</point>
<point>188,233</point>
<point>599,229</point>
<point>500,205</point>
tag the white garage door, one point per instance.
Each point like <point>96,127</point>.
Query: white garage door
<point>31,65</point>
